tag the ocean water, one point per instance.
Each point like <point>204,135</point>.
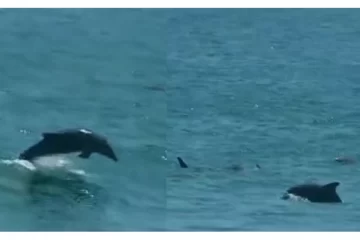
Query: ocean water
<point>223,89</point>
<point>83,68</point>
<point>278,88</point>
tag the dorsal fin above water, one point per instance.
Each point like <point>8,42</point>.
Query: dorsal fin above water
<point>331,186</point>
<point>182,163</point>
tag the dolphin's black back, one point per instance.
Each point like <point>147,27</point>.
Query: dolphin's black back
<point>49,146</point>
<point>73,132</point>
<point>63,141</point>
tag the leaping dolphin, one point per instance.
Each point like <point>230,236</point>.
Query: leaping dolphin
<point>69,141</point>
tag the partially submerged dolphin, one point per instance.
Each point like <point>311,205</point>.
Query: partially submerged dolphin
<point>233,167</point>
<point>345,160</point>
<point>315,193</point>
<point>70,141</point>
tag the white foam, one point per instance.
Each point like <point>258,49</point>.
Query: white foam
<point>78,171</point>
<point>55,161</point>
<point>22,163</point>
<point>296,198</point>
<point>14,174</point>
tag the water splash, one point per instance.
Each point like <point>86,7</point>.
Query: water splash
<point>292,197</point>
<point>53,162</point>
<point>50,164</point>
<point>19,164</point>
<point>19,177</point>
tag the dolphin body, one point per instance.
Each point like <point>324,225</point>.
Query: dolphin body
<point>315,193</point>
<point>69,141</point>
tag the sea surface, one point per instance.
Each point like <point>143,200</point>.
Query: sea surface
<point>255,101</point>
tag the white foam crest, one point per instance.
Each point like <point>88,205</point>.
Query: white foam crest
<point>55,163</point>
<point>52,162</point>
<point>296,198</point>
<point>19,164</point>
<point>14,174</point>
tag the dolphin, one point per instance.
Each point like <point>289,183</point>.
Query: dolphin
<point>233,167</point>
<point>345,160</point>
<point>315,192</point>
<point>67,141</point>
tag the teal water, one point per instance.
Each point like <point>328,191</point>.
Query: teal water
<point>93,69</point>
<point>278,88</point>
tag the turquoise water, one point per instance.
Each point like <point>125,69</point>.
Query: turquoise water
<point>278,88</point>
<point>93,69</point>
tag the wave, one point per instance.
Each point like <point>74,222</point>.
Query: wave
<point>18,176</point>
<point>56,194</point>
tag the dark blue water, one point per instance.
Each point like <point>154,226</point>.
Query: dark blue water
<point>221,88</point>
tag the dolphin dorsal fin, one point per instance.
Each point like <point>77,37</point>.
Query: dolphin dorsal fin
<point>331,186</point>
<point>182,163</point>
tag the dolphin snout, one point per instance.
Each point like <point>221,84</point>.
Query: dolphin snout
<point>112,155</point>
<point>109,152</point>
